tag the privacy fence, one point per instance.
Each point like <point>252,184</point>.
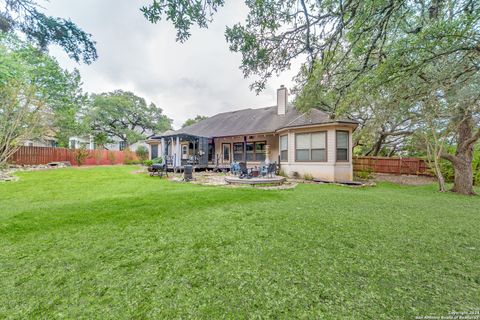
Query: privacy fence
<point>413,166</point>
<point>45,155</point>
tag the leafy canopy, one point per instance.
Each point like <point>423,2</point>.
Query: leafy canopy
<point>189,122</point>
<point>126,116</point>
<point>25,17</point>
<point>58,89</point>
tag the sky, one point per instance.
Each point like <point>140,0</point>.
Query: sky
<point>199,77</point>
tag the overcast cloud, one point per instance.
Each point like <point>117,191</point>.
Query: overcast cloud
<point>200,76</point>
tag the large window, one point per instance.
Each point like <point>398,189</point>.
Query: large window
<point>311,146</point>
<point>238,151</point>
<point>256,151</point>
<point>121,145</point>
<point>260,151</point>
<point>342,145</point>
<point>284,148</point>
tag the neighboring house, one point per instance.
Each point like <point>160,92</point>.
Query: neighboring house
<point>46,142</point>
<point>116,144</point>
<point>302,143</point>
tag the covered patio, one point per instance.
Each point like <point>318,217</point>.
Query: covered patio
<point>179,150</point>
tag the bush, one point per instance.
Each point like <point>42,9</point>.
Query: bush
<point>142,153</point>
<point>365,174</point>
<point>158,160</point>
<point>148,163</point>
<point>282,173</point>
<point>308,177</point>
<point>128,156</point>
<point>131,162</point>
<point>111,157</point>
<point>81,155</point>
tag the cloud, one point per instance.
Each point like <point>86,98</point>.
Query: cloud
<point>200,76</point>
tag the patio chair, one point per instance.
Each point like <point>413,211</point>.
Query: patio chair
<point>263,169</point>
<point>244,172</point>
<point>159,169</point>
<point>235,168</point>
<point>272,169</point>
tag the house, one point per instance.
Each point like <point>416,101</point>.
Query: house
<point>302,143</point>
<point>114,144</point>
<point>44,142</point>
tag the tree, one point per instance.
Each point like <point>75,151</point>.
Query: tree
<point>20,118</point>
<point>126,116</point>
<point>189,122</point>
<point>357,45</point>
<point>42,30</point>
<point>59,90</point>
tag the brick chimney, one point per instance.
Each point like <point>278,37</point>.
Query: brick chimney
<point>282,99</point>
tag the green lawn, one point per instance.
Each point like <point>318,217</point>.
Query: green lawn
<point>104,243</point>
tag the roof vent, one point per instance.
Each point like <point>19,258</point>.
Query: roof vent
<point>282,99</point>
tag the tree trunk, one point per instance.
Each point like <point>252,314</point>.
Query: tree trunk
<point>441,179</point>
<point>463,176</point>
<point>462,163</point>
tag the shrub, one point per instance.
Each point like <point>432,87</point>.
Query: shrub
<point>142,153</point>
<point>111,157</point>
<point>81,155</point>
<point>282,173</point>
<point>128,156</point>
<point>158,160</point>
<point>131,162</point>
<point>365,174</point>
<point>295,175</point>
<point>307,176</point>
<point>148,163</point>
<point>98,156</point>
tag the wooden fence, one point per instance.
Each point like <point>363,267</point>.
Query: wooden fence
<point>45,155</point>
<point>414,166</point>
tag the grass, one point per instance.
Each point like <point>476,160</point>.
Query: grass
<point>104,243</point>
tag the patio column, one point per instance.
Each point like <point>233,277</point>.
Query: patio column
<point>245,149</point>
<point>162,151</point>
<point>267,154</point>
<point>178,157</point>
<point>172,151</point>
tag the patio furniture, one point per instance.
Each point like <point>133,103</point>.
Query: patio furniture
<point>244,172</point>
<point>188,173</point>
<point>193,160</point>
<point>272,168</point>
<point>263,169</point>
<point>158,169</point>
<point>235,168</point>
<point>268,170</point>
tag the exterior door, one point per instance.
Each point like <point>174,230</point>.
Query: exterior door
<point>226,153</point>
<point>154,151</point>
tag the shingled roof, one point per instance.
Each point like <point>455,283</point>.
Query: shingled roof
<point>255,121</point>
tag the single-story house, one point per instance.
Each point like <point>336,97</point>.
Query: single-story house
<point>115,144</point>
<point>302,143</point>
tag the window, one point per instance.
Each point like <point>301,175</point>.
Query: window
<point>311,146</point>
<point>184,150</point>
<point>238,151</point>
<point>284,148</point>
<point>260,151</point>
<point>121,145</point>
<point>226,152</point>
<point>250,151</point>
<point>342,145</point>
